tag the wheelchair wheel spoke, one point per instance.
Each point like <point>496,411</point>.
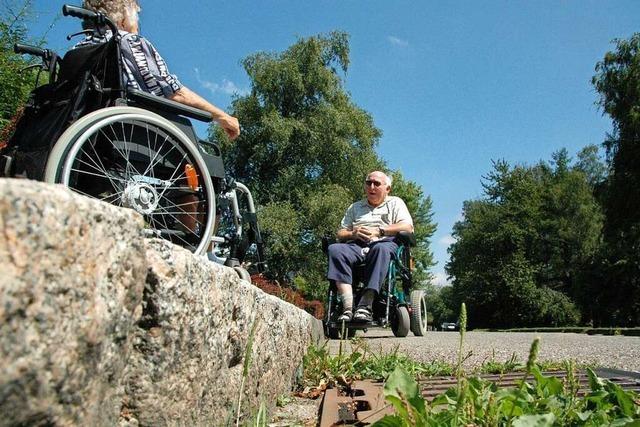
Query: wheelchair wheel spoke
<point>117,150</point>
<point>116,197</point>
<point>104,173</point>
<point>185,204</point>
<point>146,126</point>
<point>181,211</point>
<point>81,192</point>
<point>160,227</point>
<point>126,153</point>
<point>85,172</point>
<point>172,179</point>
<point>164,226</point>
<point>126,149</point>
<point>154,161</point>
<point>173,216</point>
<point>101,165</point>
<point>151,217</point>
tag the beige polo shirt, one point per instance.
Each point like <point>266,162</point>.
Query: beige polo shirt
<point>392,211</point>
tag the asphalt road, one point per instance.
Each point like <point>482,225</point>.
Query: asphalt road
<point>615,352</point>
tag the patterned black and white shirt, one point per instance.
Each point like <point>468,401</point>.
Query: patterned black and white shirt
<point>144,68</point>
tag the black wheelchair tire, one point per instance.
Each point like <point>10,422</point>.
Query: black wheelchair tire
<point>418,312</point>
<point>243,274</point>
<point>336,333</point>
<point>400,322</point>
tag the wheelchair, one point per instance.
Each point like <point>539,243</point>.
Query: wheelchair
<point>397,304</point>
<point>86,130</point>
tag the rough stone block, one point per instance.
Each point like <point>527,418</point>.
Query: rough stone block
<point>72,272</point>
<point>187,363</point>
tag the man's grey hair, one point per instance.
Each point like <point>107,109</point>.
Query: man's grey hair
<point>116,10</point>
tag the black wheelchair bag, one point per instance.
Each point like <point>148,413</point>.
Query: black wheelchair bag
<point>88,80</point>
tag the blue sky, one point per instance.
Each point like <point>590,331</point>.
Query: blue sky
<point>451,84</point>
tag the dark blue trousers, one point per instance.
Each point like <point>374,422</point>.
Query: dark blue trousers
<point>343,257</point>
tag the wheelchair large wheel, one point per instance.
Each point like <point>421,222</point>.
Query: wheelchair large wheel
<point>418,312</point>
<point>400,322</point>
<point>136,159</point>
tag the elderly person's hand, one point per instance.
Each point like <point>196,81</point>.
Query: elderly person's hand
<point>230,125</point>
<point>364,233</point>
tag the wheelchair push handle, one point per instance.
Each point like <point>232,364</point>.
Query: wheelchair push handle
<point>25,49</point>
<point>97,18</point>
<point>78,12</point>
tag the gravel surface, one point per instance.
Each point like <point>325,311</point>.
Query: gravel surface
<point>617,352</point>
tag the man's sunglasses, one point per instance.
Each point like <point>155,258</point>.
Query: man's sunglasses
<point>370,182</point>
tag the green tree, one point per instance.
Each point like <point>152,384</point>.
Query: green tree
<point>304,151</point>
<point>15,84</point>
<point>617,81</point>
<point>521,250</point>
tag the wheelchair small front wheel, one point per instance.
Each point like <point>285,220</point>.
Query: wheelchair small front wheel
<point>400,322</point>
<point>136,159</point>
<point>338,334</point>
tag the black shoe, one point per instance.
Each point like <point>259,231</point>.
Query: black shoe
<point>363,314</point>
<point>346,316</point>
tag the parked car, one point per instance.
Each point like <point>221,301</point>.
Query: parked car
<point>449,326</point>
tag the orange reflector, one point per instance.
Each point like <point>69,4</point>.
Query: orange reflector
<point>192,177</point>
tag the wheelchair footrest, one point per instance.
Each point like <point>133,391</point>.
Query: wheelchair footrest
<point>354,325</point>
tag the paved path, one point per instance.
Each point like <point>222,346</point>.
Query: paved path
<point>618,352</point>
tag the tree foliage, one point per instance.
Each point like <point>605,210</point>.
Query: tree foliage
<point>521,249</point>
<point>304,151</point>
<point>617,81</point>
<point>15,84</point>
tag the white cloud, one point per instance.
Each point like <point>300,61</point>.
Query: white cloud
<point>440,279</point>
<point>447,240</point>
<point>227,86</point>
<point>397,41</point>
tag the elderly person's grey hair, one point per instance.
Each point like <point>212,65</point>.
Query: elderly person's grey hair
<point>116,10</point>
<point>388,178</point>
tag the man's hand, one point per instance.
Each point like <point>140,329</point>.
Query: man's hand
<point>365,234</point>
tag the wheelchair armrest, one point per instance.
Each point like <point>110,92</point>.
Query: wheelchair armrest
<point>164,104</point>
<point>406,238</point>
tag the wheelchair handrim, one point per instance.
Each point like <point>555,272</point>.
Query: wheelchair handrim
<point>106,117</point>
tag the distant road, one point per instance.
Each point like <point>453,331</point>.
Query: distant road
<point>617,352</point>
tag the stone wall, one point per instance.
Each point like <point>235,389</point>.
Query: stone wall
<point>100,326</point>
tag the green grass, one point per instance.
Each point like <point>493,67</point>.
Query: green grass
<point>538,400</point>
<point>545,401</point>
<point>322,369</point>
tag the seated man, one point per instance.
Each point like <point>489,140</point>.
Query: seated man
<point>367,232</point>
<point>144,68</point>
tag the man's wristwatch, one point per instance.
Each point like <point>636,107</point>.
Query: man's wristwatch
<point>380,232</point>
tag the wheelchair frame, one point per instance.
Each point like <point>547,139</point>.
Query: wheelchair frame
<point>201,173</point>
<point>397,304</point>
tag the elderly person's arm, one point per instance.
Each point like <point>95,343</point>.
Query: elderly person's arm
<point>402,220</point>
<point>393,229</point>
<point>186,96</point>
